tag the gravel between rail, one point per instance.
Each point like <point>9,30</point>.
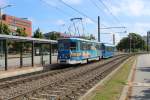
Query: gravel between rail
<point>64,84</point>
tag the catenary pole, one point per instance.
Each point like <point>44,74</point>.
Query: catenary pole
<point>99,29</point>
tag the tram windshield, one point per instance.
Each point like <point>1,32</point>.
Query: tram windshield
<point>63,45</point>
<point>73,45</point>
<point>66,45</point>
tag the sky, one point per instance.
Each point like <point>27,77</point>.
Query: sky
<point>53,15</point>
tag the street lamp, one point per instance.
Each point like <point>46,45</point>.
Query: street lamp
<point>1,51</point>
<point>1,13</point>
<point>3,8</point>
<point>130,38</point>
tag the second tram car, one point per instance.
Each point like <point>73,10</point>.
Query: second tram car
<point>107,50</point>
<point>76,51</point>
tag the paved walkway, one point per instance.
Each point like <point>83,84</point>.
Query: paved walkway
<point>19,71</point>
<point>141,84</point>
<point>15,62</point>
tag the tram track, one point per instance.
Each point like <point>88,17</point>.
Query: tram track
<point>75,87</point>
<point>36,75</point>
<point>25,88</point>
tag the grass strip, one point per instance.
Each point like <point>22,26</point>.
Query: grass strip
<point>112,88</point>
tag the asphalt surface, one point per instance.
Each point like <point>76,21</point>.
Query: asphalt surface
<point>141,83</point>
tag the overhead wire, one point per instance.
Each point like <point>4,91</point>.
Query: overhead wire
<point>96,6</point>
<point>116,19</point>
<point>81,13</point>
<point>58,9</point>
<point>65,13</point>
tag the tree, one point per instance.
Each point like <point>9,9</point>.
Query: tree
<point>4,29</point>
<point>21,32</point>
<point>38,34</point>
<point>133,40</point>
<point>53,35</point>
<point>91,37</point>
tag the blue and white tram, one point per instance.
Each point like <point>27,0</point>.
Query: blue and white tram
<point>107,50</point>
<point>76,51</point>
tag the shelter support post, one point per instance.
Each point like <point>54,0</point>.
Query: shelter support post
<point>50,53</point>
<point>32,53</point>
<point>41,53</point>
<point>21,54</point>
<point>6,53</point>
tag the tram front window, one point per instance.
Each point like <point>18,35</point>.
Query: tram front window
<point>63,45</point>
<point>72,45</point>
<point>66,45</point>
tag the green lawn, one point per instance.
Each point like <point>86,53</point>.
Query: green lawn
<point>112,89</point>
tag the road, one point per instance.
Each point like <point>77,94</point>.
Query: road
<point>141,84</point>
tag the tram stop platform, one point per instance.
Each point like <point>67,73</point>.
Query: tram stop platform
<point>138,87</point>
<point>19,71</point>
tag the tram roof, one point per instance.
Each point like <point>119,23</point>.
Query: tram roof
<point>81,40</point>
<point>21,38</point>
<point>108,44</point>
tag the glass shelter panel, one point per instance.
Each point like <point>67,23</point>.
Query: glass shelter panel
<point>27,56</point>
<point>37,54</point>
<point>2,57</point>
<point>46,54</point>
<point>54,53</point>
<point>13,54</point>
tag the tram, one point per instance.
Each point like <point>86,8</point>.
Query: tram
<point>78,51</point>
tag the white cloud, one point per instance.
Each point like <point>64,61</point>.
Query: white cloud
<point>138,27</point>
<point>115,10</point>
<point>136,7</point>
<point>88,21</point>
<point>3,3</point>
<point>60,22</point>
<point>131,7</point>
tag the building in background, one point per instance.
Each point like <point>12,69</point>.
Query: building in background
<point>147,40</point>
<point>14,23</point>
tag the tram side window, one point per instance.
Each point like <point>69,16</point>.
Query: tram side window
<point>109,48</point>
<point>97,46</point>
<point>83,46</point>
<point>73,45</point>
<point>89,46</point>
